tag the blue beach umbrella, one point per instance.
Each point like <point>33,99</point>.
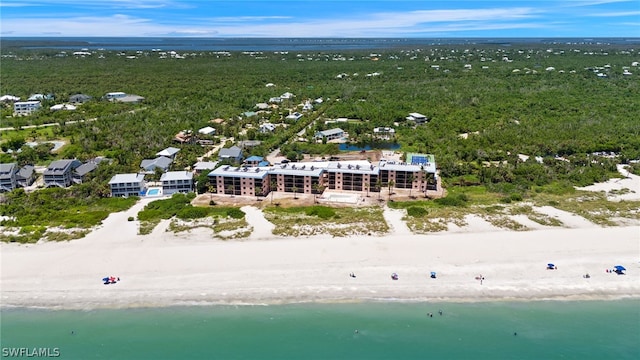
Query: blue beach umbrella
<point>619,268</point>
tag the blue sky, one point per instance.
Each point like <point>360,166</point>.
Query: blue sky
<point>321,18</point>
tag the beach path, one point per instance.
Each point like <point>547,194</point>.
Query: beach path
<point>393,217</point>
<point>262,228</point>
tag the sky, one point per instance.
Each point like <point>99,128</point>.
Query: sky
<point>320,18</point>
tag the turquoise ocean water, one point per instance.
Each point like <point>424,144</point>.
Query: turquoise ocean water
<point>494,330</point>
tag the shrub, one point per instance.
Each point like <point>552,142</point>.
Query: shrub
<point>235,213</point>
<point>416,211</point>
<point>191,212</point>
<point>322,212</point>
<point>453,200</point>
<point>130,218</point>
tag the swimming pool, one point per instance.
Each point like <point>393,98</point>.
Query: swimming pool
<point>154,192</point>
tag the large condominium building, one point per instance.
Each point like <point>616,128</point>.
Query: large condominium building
<point>247,181</point>
<point>311,177</point>
<point>305,178</point>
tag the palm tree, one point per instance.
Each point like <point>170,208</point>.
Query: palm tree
<point>273,186</point>
<point>295,192</point>
<point>230,190</point>
<point>211,189</point>
<point>390,184</point>
<point>258,191</point>
<point>410,181</point>
<point>379,187</point>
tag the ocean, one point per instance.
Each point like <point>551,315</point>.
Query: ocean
<point>371,330</point>
<point>279,44</point>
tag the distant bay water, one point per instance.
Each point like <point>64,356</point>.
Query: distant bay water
<point>278,44</point>
<point>391,330</point>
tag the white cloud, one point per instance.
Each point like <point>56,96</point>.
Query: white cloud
<point>616,14</point>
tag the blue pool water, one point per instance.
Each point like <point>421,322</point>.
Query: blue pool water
<point>152,192</point>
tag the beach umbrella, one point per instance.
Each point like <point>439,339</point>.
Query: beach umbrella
<point>551,265</point>
<point>619,268</point>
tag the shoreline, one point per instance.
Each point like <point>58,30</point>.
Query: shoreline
<point>165,269</point>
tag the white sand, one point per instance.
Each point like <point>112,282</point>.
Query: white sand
<point>192,268</point>
<point>626,188</point>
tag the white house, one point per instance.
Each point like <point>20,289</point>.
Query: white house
<point>127,184</point>
<point>62,107</point>
<point>26,107</point>
<point>176,181</point>
<point>417,118</point>
<point>267,128</point>
<point>294,116</point>
<point>331,134</point>
<point>208,130</point>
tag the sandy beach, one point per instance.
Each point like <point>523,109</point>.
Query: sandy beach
<point>164,268</point>
<point>189,268</point>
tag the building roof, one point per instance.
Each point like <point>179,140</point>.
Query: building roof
<point>254,158</point>
<point>205,165</point>
<point>9,98</point>
<point>232,152</point>
<point>168,152</point>
<point>347,167</point>
<point>129,98</point>
<point>240,172</point>
<point>334,131</point>
<point>207,130</point>
<point>62,107</point>
<point>7,170</point>
<point>126,178</point>
<point>79,98</point>
<point>297,169</point>
<point>86,168</point>
<point>176,175</point>
<point>398,166</point>
<point>161,162</point>
<point>25,172</point>
<point>62,166</point>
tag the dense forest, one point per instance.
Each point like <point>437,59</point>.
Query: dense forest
<point>571,108</point>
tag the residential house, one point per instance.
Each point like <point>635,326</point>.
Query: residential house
<point>262,106</point>
<point>294,116</point>
<point>184,136</point>
<point>26,176</point>
<point>307,106</point>
<point>417,118</point>
<point>8,180</point>
<point>79,98</point>
<point>169,152</point>
<point>80,173</point>
<point>287,96</point>
<point>26,107</point>
<point>149,166</point>
<point>267,128</point>
<point>176,181</point>
<point>246,144</point>
<point>123,97</point>
<point>9,98</point>
<point>40,97</point>
<point>127,184</point>
<point>207,130</point>
<point>233,154</point>
<point>202,166</point>
<point>384,133</point>
<point>67,107</point>
<point>246,181</point>
<point>253,160</point>
<point>331,134</point>
<point>275,100</point>
<point>60,173</point>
